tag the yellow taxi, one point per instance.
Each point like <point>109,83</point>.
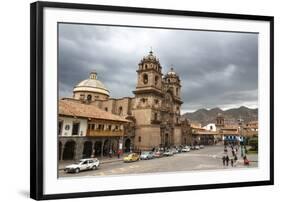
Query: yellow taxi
<point>131,158</point>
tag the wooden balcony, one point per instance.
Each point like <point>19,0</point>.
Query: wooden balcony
<point>105,133</point>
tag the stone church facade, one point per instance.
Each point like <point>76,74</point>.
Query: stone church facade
<point>153,112</point>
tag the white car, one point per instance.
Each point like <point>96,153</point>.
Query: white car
<point>197,147</point>
<point>185,149</point>
<point>168,153</point>
<point>146,155</point>
<point>201,146</point>
<point>83,164</point>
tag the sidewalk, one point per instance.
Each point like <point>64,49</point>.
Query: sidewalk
<point>103,160</point>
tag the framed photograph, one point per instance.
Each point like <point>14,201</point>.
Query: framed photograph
<point>129,100</point>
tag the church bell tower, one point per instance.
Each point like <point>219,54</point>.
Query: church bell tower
<point>148,99</point>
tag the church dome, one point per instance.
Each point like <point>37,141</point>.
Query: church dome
<point>171,73</point>
<point>92,85</point>
<point>150,58</point>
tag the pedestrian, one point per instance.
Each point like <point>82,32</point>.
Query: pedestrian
<point>227,160</point>
<point>231,161</point>
<point>225,149</point>
<point>242,151</point>
<point>235,160</point>
<point>246,161</point>
<point>223,160</point>
<point>118,153</point>
<point>233,152</point>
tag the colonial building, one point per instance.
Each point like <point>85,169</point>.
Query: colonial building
<point>235,131</point>
<point>203,135</point>
<point>150,119</point>
<point>85,130</point>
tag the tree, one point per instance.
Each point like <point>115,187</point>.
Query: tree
<point>253,142</point>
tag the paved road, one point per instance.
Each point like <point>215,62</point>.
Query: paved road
<point>204,159</point>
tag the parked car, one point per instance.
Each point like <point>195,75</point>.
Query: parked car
<point>168,153</point>
<point>174,150</point>
<point>192,147</point>
<point>146,155</point>
<point>158,154</point>
<point>201,146</point>
<point>83,164</point>
<point>131,158</point>
<point>197,147</point>
<point>185,149</point>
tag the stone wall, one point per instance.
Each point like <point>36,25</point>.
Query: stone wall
<point>147,137</point>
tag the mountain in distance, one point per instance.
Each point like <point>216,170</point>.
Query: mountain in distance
<point>205,116</point>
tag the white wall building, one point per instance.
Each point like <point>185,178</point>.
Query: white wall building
<point>210,127</point>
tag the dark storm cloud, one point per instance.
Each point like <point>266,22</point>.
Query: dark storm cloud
<point>217,69</point>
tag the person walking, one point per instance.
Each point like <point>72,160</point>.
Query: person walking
<point>227,160</point>
<point>225,149</point>
<point>223,160</point>
<point>118,153</point>
<point>246,161</point>
<point>242,151</point>
<point>231,161</point>
<point>233,152</point>
<point>235,160</point>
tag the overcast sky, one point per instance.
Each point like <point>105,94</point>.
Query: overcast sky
<point>217,69</point>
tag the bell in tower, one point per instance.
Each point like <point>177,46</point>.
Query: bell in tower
<point>149,75</point>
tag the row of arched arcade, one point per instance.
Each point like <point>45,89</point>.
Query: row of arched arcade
<point>77,148</point>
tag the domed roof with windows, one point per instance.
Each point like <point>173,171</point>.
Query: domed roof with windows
<point>171,73</point>
<point>150,58</point>
<point>91,84</point>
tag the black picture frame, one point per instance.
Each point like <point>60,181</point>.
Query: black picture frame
<point>37,99</point>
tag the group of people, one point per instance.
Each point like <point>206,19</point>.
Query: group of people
<point>233,159</point>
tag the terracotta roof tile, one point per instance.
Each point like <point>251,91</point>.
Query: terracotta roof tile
<point>73,108</point>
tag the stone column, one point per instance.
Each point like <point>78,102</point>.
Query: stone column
<point>62,150</point>
<point>79,149</point>
<point>93,148</point>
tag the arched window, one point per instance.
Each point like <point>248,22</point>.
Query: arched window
<point>145,78</point>
<point>120,110</point>
<point>106,109</point>
<point>177,91</point>
<point>89,97</point>
<point>145,66</point>
<point>156,80</point>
